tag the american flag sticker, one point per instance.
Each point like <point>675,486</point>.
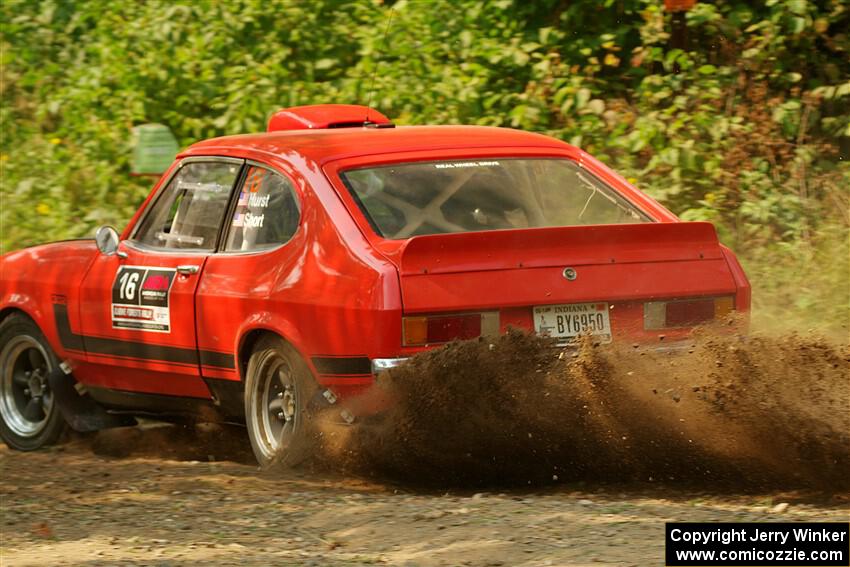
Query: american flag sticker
<point>243,199</point>
<point>238,219</point>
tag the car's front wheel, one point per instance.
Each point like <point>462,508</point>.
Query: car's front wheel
<point>29,416</point>
<point>278,387</point>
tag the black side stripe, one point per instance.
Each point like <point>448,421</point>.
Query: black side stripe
<point>68,338</point>
<point>217,359</point>
<point>132,349</point>
<point>359,365</point>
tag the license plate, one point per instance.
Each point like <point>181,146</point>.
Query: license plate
<point>569,321</point>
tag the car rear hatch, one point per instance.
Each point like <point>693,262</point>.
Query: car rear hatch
<point>647,281</point>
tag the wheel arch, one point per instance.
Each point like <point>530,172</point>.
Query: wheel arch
<point>20,308</point>
<point>9,310</point>
<point>33,312</point>
<point>246,346</point>
<point>229,392</point>
<point>249,338</point>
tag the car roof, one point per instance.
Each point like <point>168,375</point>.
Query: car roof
<point>324,145</point>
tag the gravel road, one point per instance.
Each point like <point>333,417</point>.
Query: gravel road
<point>140,500</point>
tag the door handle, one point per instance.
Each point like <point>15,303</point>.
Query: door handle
<point>187,269</point>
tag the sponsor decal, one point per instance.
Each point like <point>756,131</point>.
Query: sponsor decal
<point>140,298</point>
<point>461,164</point>
<point>251,202</point>
<point>248,220</point>
<point>259,201</point>
<point>253,221</point>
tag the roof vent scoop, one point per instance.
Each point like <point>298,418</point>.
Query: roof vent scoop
<point>322,116</point>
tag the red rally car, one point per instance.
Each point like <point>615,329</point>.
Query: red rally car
<point>263,268</point>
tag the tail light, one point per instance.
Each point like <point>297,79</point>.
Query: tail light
<point>431,329</point>
<point>685,312</point>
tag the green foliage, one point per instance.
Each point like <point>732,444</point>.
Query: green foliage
<point>744,129</point>
<point>803,286</point>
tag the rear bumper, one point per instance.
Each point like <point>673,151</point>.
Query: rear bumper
<point>380,365</point>
<point>383,364</point>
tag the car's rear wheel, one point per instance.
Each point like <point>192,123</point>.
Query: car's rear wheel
<point>278,387</point>
<point>29,416</point>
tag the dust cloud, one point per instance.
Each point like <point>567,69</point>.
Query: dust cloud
<point>742,412</point>
<point>204,441</point>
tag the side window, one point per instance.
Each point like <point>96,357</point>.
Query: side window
<point>266,213</point>
<point>188,213</point>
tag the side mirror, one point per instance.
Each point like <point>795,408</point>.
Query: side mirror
<point>107,240</point>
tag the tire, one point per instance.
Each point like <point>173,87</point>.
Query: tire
<point>29,416</point>
<point>278,389</point>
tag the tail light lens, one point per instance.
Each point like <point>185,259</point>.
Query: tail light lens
<point>433,329</point>
<point>685,312</point>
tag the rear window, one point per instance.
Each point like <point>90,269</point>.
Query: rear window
<point>412,199</point>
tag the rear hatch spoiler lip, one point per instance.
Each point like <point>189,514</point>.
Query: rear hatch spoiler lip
<point>531,265</point>
<point>559,246</point>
